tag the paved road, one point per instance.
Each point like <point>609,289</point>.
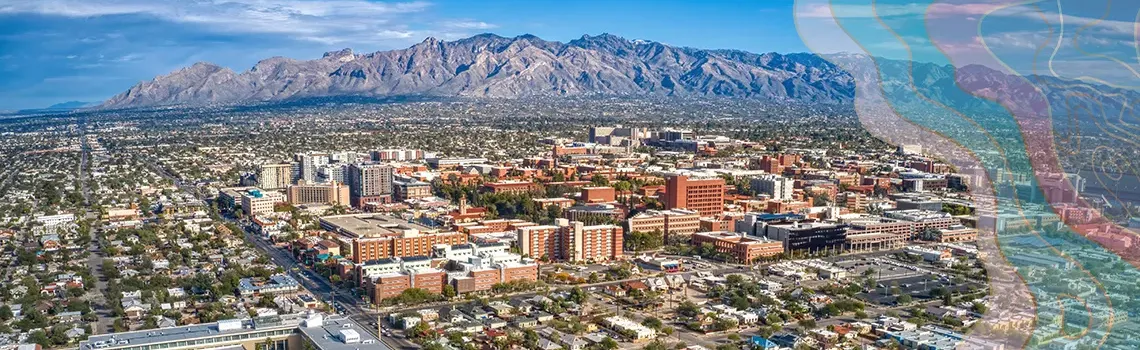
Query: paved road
<point>99,302</point>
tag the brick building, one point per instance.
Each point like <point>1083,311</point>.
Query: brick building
<point>571,241</point>
<point>598,194</point>
<point>705,196</point>
<point>743,248</point>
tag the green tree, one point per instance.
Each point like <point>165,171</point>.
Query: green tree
<point>652,322</point>
<point>608,344</point>
<point>905,299</point>
<point>5,312</point>
<point>807,323</point>
<point>39,337</point>
<point>688,308</point>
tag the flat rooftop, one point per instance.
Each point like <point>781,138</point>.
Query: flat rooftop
<point>190,332</point>
<point>372,225</point>
<point>327,337</point>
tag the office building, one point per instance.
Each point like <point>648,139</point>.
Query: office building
<point>513,186</point>
<point>956,233</point>
<point>482,271</point>
<point>924,219</point>
<point>275,176</point>
<point>392,284</point>
<point>775,186</point>
<point>809,237</point>
<point>617,136</point>
<point>603,194</point>
<point>278,332</point>
<point>776,164</point>
<point>374,236</point>
<point>449,163</point>
<point>754,223</point>
<point>917,202</point>
<point>369,183</point>
<point>405,189</point>
<point>276,284</point>
<point>743,248</point>
<point>668,222</point>
<point>594,213</point>
<point>853,201</point>
<point>706,196</point>
<point>256,202</point>
<point>333,193</point>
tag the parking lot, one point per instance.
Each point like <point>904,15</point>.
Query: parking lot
<point>879,270</point>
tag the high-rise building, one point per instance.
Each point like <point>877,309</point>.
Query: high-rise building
<point>334,193</point>
<point>332,173</point>
<point>706,196</point>
<point>775,186</point>
<point>396,154</point>
<point>591,243</point>
<point>275,176</point>
<point>571,241</point>
<point>310,162</point>
<point>541,242</point>
<point>369,183</point>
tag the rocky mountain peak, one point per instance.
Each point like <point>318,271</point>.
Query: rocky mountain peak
<point>489,65</point>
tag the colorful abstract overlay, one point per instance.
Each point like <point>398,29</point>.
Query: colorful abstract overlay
<point>1032,100</point>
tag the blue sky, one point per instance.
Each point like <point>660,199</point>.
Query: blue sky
<point>54,51</point>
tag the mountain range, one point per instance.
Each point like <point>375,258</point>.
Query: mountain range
<point>489,65</point>
<point>492,66</point>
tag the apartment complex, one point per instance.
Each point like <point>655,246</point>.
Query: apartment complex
<point>571,241</point>
<point>310,163</point>
<point>396,154</point>
<point>706,196</point>
<point>275,176</point>
<point>332,193</point>
<point>369,183</point>
<point>743,248</point>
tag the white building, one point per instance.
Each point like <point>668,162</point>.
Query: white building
<point>624,325</point>
<point>776,186</point>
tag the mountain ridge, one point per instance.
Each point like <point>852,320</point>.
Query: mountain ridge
<point>492,66</point>
<point>489,65</point>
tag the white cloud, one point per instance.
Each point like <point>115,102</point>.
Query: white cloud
<point>331,21</point>
<point>470,25</point>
